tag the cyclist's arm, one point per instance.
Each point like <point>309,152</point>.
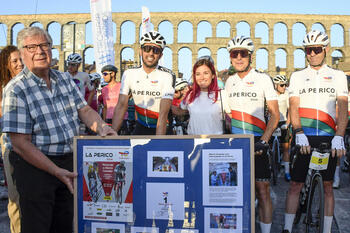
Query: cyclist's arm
<point>272,106</point>
<point>164,108</point>
<point>119,112</point>
<point>176,110</point>
<point>104,112</point>
<point>294,112</point>
<point>342,119</point>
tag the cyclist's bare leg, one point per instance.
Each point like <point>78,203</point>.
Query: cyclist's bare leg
<point>285,147</point>
<point>265,203</point>
<point>328,198</point>
<point>292,200</point>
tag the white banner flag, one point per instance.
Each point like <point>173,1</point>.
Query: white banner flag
<point>146,20</point>
<point>102,31</point>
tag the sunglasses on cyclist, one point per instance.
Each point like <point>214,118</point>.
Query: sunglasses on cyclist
<point>234,53</point>
<point>148,48</point>
<point>283,85</point>
<point>316,50</point>
<point>106,73</point>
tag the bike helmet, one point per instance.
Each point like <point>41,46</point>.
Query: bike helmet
<point>241,42</point>
<point>122,162</point>
<point>109,68</point>
<point>153,37</point>
<point>279,79</point>
<point>315,37</point>
<point>74,58</point>
<point>180,84</point>
<point>94,76</point>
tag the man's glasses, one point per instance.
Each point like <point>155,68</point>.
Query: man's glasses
<point>148,48</point>
<point>316,50</point>
<point>33,47</point>
<point>106,73</point>
<point>73,64</point>
<point>234,53</point>
<point>283,85</point>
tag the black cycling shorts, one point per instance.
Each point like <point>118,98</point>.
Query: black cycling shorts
<point>143,130</point>
<point>300,163</point>
<point>262,166</point>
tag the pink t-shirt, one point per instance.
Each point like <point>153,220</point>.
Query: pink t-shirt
<point>93,104</point>
<point>110,95</point>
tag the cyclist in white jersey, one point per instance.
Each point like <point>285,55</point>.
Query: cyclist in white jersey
<point>314,93</point>
<point>280,82</point>
<point>248,90</point>
<point>151,86</point>
<point>82,79</point>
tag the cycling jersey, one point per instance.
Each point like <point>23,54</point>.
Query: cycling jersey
<point>82,80</point>
<point>119,171</point>
<point>147,91</point>
<point>247,101</point>
<point>318,91</point>
<point>283,105</point>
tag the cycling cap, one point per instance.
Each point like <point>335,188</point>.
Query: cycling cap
<point>109,68</point>
<point>241,42</point>
<point>206,57</point>
<point>180,84</point>
<point>74,58</point>
<point>315,38</point>
<point>153,37</point>
<point>94,76</point>
<point>279,79</point>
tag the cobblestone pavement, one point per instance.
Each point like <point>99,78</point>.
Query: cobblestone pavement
<point>341,223</point>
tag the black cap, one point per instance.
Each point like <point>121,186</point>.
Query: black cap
<point>109,68</point>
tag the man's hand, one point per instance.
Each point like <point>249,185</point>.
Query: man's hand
<point>66,177</point>
<point>105,130</point>
<point>338,147</point>
<point>260,147</point>
<point>302,141</point>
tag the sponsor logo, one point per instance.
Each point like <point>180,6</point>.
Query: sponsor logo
<point>328,90</point>
<point>243,94</point>
<point>149,93</point>
<point>250,84</point>
<point>154,81</point>
<point>124,153</point>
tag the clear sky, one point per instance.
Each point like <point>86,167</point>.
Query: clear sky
<point>334,7</point>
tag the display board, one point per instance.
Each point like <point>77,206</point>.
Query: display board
<point>164,184</point>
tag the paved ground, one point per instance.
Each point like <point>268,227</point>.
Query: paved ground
<point>341,223</point>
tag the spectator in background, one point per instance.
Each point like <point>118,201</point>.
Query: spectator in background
<point>10,65</point>
<point>91,96</point>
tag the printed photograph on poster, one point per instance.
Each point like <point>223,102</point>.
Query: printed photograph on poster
<point>222,177</point>
<point>165,164</point>
<point>182,231</point>
<point>165,201</point>
<point>223,220</point>
<point>144,230</point>
<point>107,183</point>
<point>97,227</point>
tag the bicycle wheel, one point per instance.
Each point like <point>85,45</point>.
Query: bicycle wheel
<point>315,206</point>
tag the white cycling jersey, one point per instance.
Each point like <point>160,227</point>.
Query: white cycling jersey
<point>82,80</point>
<point>283,105</point>
<point>247,101</point>
<point>318,91</point>
<point>147,91</point>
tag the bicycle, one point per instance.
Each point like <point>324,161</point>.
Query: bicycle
<point>274,154</point>
<point>119,191</point>
<point>311,200</point>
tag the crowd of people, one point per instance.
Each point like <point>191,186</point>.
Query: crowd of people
<point>43,109</point>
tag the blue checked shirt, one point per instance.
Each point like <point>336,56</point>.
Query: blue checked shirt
<point>50,116</point>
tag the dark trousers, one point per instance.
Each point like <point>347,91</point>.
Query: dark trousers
<point>46,205</point>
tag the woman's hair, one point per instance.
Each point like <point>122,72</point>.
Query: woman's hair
<point>194,89</point>
<point>5,75</point>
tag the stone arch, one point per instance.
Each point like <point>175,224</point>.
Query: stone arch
<point>223,29</point>
<point>280,58</point>
<point>88,33</point>
<point>88,56</point>
<point>167,58</point>
<point>299,59</point>
<point>127,54</point>
<point>36,24</point>
<point>337,35</point>
<point>337,56</point>
<point>54,29</point>
<point>183,27</point>
<point>204,51</point>
<point>243,28</point>
<point>3,34</point>
<point>319,27</point>
<point>185,62</point>
<point>14,31</point>
<point>127,32</point>
<point>262,59</point>
<point>223,59</point>
<point>298,33</point>
<point>165,28</point>
<point>204,30</point>
<point>280,33</point>
<point>262,32</point>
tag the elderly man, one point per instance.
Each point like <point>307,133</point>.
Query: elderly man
<point>41,112</point>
